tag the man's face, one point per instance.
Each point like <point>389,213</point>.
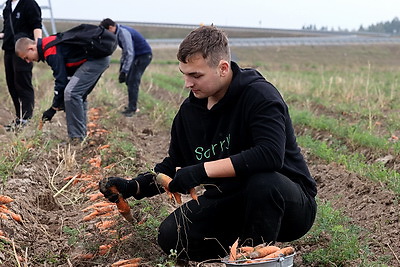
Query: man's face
<point>29,55</point>
<point>203,80</point>
<point>112,29</point>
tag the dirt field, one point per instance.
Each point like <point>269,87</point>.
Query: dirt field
<point>54,232</point>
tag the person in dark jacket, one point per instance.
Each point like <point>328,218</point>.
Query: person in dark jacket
<point>75,75</point>
<point>234,136</point>
<point>21,18</point>
<point>136,56</point>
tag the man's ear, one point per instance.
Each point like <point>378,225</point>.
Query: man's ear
<point>224,67</point>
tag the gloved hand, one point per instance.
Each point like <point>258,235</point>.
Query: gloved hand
<point>48,114</point>
<point>122,77</point>
<point>127,188</point>
<point>187,178</point>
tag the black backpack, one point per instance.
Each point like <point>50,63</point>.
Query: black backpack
<point>95,40</point>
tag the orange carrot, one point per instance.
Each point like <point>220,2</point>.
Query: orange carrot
<point>262,252</point>
<point>98,204</point>
<point>103,210</point>
<point>122,205</point>
<point>103,249</point>
<point>91,216</point>
<point>126,237</point>
<point>109,166</point>
<point>246,249</point>
<point>5,199</point>
<point>279,253</point>
<point>95,196</point>
<point>164,181</point>
<point>16,217</point>
<point>105,224</point>
<point>40,126</point>
<point>126,262</point>
<point>233,254</point>
<point>103,147</point>
<point>87,256</point>
<point>287,251</point>
<point>244,252</point>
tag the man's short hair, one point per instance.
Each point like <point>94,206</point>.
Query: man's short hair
<point>106,23</point>
<point>21,45</point>
<point>210,42</point>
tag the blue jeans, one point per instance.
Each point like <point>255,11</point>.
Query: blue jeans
<point>75,93</point>
<point>134,77</point>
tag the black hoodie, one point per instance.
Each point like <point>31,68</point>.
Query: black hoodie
<point>250,124</point>
<point>26,17</point>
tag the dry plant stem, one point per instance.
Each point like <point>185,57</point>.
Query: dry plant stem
<point>26,258</point>
<point>394,254</point>
<point>65,186</point>
<point>15,252</point>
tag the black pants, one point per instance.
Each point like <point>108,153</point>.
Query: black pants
<point>19,83</point>
<point>269,207</point>
<point>133,80</point>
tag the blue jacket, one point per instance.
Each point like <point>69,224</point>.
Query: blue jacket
<point>133,44</point>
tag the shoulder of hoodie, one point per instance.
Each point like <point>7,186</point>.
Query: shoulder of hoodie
<point>258,88</point>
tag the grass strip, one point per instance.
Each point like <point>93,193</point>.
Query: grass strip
<point>353,162</point>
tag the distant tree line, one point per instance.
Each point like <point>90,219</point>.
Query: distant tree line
<point>384,27</point>
<point>392,27</point>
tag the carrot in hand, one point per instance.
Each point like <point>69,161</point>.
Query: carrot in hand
<point>122,205</point>
<point>164,181</point>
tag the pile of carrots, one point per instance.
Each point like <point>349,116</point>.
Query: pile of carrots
<point>257,254</point>
<point>5,212</point>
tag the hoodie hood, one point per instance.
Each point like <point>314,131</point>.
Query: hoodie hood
<point>241,79</point>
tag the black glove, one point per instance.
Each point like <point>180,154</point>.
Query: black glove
<point>187,178</point>
<point>48,114</point>
<point>122,77</point>
<point>127,188</point>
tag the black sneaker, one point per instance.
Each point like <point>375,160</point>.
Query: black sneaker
<point>15,125</point>
<point>128,112</point>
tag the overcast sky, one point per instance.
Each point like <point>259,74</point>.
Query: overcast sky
<point>286,14</point>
